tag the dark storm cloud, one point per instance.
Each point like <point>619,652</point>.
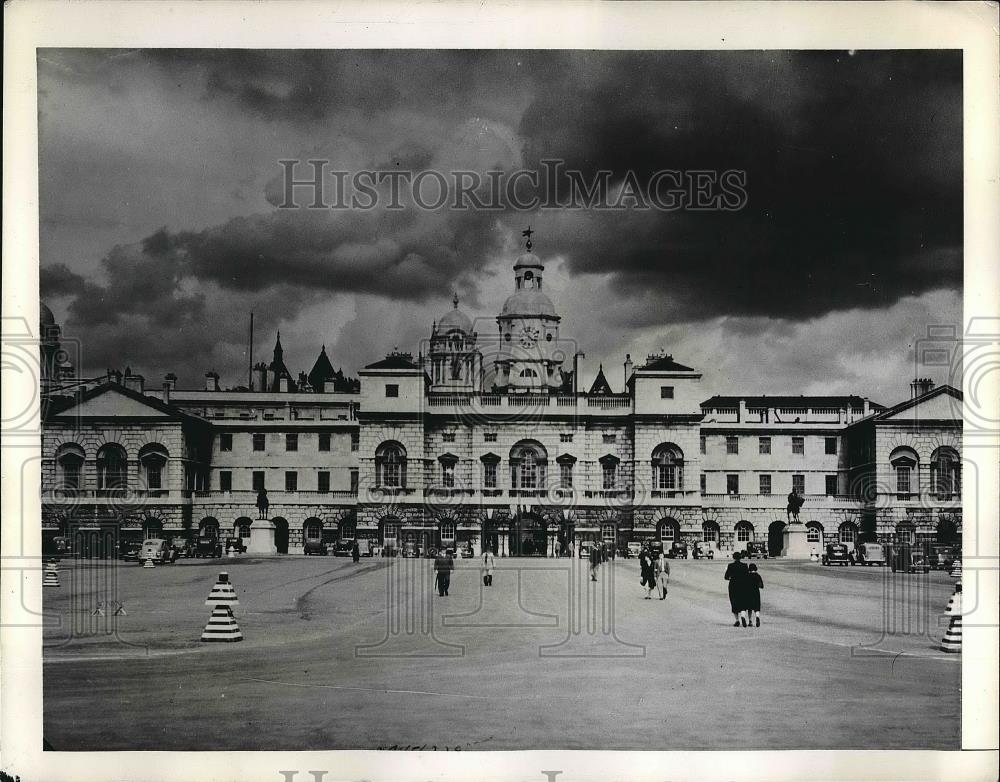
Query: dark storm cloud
<point>853,165</point>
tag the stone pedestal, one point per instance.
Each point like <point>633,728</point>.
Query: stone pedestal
<point>795,541</point>
<point>262,538</point>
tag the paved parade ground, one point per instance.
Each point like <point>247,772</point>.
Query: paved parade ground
<point>339,655</point>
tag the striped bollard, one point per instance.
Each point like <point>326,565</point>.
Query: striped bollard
<point>222,624</point>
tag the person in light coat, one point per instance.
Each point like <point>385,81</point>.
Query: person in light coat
<point>489,565</point>
<point>662,575</point>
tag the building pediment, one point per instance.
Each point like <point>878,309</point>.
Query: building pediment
<point>113,401</point>
<point>942,404</point>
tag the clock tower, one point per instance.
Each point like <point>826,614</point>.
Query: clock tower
<point>529,357</point>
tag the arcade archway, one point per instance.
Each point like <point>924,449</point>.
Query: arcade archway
<point>775,538</point>
<point>280,534</point>
<point>528,537</point>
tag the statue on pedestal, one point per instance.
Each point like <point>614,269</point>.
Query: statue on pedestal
<point>795,502</point>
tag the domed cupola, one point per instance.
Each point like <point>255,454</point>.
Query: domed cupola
<point>455,320</point>
<point>455,363</point>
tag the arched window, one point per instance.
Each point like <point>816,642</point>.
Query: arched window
<point>112,468</point>
<point>69,463</point>
<point>528,462</point>
<point>528,373</point>
<point>814,532</point>
<point>668,468</point>
<point>710,532</point>
<point>744,531</point>
<point>609,472</point>
<point>608,534</point>
<point>848,532</point>
<point>152,528</point>
<point>906,533</point>
<point>669,530</point>
<point>242,527</point>
<point>390,465</point>
<point>153,458</point>
<point>946,473</point>
<point>447,532</point>
<point>390,531</point>
<point>209,527</point>
<point>904,465</point>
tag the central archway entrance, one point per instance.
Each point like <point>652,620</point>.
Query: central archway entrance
<point>528,537</point>
<point>280,535</point>
<point>775,538</point>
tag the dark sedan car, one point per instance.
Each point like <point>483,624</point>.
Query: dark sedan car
<point>208,546</point>
<point>314,546</point>
<point>678,550</point>
<point>755,551</point>
<point>837,554</point>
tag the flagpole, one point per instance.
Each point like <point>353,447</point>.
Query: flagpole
<point>250,374</point>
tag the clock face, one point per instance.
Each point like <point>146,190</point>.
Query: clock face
<point>528,336</point>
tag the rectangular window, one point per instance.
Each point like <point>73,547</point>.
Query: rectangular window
<point>225,480</point>
<point>291,441</point>
<point>799,445</point>
<point>608,474</point>
<point>291,481</point>
<point>355,440</point>
<point>666,392</point>
<point>354,481</point>
<point>258,481</point>
<point>391,389</point>
<point>71,473</point>
<point>704,444</point>
<point>831,445</point>
<point>566,476</point>
<point>323,481</point>
<point>225,442</point>
<point>153,474</point>
<point>831,485</point>
<point>732,484</point>
<point>565,438</point>
<point>258,441</point>
<point>732,445</point>
<point>448,437</point>
<point>324,441</point>
<point>764,445</point>
<point>448,474</point>
<point>489,475</point>
<point>902,479</point>
<point>490,437</point>
<point>765,484</point>
<point>799,484</point>
<point>704,483</point>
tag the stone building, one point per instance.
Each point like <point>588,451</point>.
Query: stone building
<point>487,437</point>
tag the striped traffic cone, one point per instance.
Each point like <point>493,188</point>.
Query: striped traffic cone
<point>952,641</point>
<point>222,626</point>
<point>222,593</point>
<point>954,599</point>
<point>51,578</point>
<point>956,569</point>
<point>149,563</point>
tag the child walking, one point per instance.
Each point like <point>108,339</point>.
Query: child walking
<point>754,584</point>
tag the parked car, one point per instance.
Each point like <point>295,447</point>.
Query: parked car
<point>236,544</point>
<point>678,550</point>
<point>128,550</point>
<point>156,549</point>
<point>342,548</point>
<point>837,554</point>
<point>941,556</point>
<point>584,550</point>
<point>703,550</point>
<point>466,552</point>
<point>869,554</point>
<point>314,546</point>
<point>58,546</point>
<point>633,548</point>
<point>410,549</point>
<point>755,550</point>
<point>185,548</point>
<point>908,559</point>
<point>208,546</point>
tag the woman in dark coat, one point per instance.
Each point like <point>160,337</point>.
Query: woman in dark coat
<point>355,552</point>
<point>738,576</point>
<point>648,572</point>
<point>754,584</point>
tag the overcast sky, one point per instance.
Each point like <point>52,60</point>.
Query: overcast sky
<point>160,229</point>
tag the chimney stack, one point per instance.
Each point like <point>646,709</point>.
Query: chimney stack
<point>921,386</point>
<point>212,381</point>
<point>628,369</point>
<point>261,381</point>
<point>134,382</point>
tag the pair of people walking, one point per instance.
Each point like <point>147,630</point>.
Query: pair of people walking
<point>745,584</point>
<point>655,574</point>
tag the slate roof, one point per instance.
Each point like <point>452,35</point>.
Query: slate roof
<point>789,401</point>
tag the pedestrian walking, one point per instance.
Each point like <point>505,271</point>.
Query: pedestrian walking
<point>489,565</point>
<point>737,575</point>
<point>754,584</point>
<point>443,565</point>
<point>356,552</point>
<point>662,575</point>
<point>647,571</point>
<point>595,561</point>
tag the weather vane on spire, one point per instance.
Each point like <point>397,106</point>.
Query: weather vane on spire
<point>528,232</point>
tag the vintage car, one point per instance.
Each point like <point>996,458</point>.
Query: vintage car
<point>128,550</point>
<point>58,547</point>
<point>837,554</point>
<point>908,559</point>
<point>158,550</point>
<point>466,552</point>
<point>703,550</point>
<point>584,549</point>
<point>314,546</point>
<point>343,548</point>
<point>410,549</point>
<point>208,546</point>
<point>869,554</point>
<point>755,550</point>
<point>236,544</point>
<point>633,548</point>
<point>678,550</point>
<point>941,556</point>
